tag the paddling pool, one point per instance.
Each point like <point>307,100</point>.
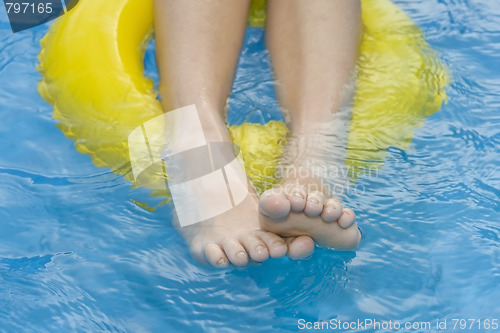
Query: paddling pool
<point>81,250</point>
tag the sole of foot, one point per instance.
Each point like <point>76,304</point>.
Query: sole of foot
<point>295,209</point>
<point>236,237</point>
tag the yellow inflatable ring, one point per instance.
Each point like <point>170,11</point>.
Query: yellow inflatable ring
<point>91,62</point>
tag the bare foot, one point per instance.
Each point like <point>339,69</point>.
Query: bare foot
<point>302,206</point>
<point>233,237</point>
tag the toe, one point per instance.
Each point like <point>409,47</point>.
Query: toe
<point>215,256</point>
<point>297,197</point>
<point>347,218</point>
<point>300,247</point>
<point>350,238</point>
<point>255,248</point>
<point>235,252</point>
<point>314,204</point>
<point>331,211</point>
<point>275,244</point>
<point>274,204</point>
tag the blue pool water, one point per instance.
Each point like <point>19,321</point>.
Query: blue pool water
<point>77,254</point>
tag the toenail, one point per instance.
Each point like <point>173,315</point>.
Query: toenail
<point>314,201</point>
<point>298,195</point>
<point>278,244</point>
<point>259,248</point>
<point>241,254</point>
<point>221,261</point>
<point>330,209</point>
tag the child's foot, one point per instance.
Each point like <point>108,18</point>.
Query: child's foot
<point>301,206</point>
<point>233,237</point>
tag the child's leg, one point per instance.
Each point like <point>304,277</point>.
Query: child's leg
<point>198,44</point>
<point>314,48</point>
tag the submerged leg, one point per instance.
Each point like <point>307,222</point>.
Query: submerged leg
<point>314,48</point>
<point>198,44</point>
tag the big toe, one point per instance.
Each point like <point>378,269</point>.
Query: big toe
<point>274,204</point>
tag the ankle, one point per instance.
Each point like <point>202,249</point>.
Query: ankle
<point>211,117</point>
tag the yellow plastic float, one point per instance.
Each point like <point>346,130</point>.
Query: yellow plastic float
<point>91,62</point>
